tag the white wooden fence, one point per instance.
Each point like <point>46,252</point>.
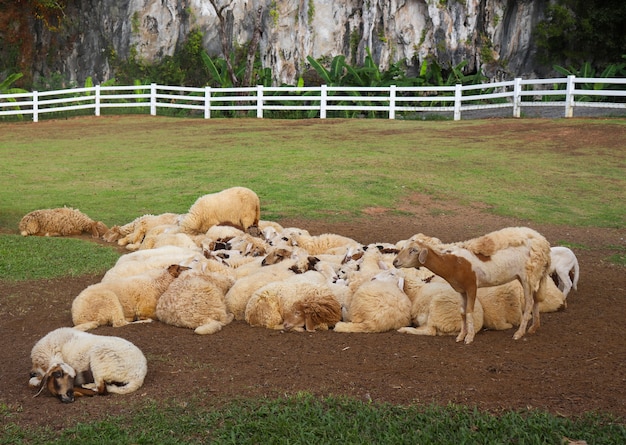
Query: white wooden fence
<point>327,101</point>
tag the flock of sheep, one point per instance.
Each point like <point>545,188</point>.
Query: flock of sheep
<point>220,262</point>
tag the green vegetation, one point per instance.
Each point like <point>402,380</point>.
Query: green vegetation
<point>306,419</point>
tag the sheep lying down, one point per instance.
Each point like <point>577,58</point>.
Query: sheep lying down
<point>71,363</point>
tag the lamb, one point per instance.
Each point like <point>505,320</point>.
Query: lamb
<point>63,221</point>
<point>377,305</point>
<point>196,301</point>
<point>514,253</point>
<point>123,301</point>
<point>70,362</point>
<point>562,262</point>
<point>135,231</point>
<point>237,206</point>
<point>276,302</point>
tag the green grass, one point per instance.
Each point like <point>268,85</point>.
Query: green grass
<point>118,168</point>
<point>305,419</point>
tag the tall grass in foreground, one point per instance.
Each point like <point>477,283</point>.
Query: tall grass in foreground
<point>305,419</point>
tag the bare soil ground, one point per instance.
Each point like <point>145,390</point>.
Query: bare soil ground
<point>575,363</point>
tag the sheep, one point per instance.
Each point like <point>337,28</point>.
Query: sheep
<point>141,261</point>
<point>377,305</point>
<point>437,310</point>
<point>276,302</point>
<point>70,362</point>
<point>242,290</point>
<point>562,262</point>
<point>63,221</point>
<point>503,305</point>
<point>135,231</point>
<point>122,301</point>
<point>324,243</point>
<point>513,253</point>
<point>237,206</point>
<point>196,301</point>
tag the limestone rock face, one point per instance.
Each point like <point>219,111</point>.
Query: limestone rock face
<point>492,35</point>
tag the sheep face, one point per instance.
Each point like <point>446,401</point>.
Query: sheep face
<point>411,256</point>
<point>312,313</point>
<point>59,380</point>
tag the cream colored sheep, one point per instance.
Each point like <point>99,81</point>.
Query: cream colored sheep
<point>503,305</point>
<point>71,359</point>
<point>196,301</point>
<point>324,243</point>
<point>135,231</point>
<point>377,305</point>
<point>141,261</point>
<point>237,206</point>
<point>436,309</point>
<point>269,306</point>
<point>122,301</point>
<point>63,221</point>
<point>242,290</point>
<point>513,253</point>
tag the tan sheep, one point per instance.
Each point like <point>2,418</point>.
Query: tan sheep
<point>63,221</point>
<point>122,301</point>
<point>276,301</point>
<point>237,206</point>
<point>377,305</point>
<point>135,231</point>
<point>196,301</point>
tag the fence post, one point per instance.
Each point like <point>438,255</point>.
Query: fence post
<point>207,102</point>
<point>392,102</point>
<point>35,107</point>
<point>323,93</point>
<point>458,98</point>
<point>517,97</point>
<point>153,99</point>
<point>97,101</point>
<point>259,101</point>
<point>569,96</point>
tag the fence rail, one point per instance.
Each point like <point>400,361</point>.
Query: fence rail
<point>328,101</point>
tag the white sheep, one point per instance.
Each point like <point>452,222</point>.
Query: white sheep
<point>141,261</point>
<point>196,301</point>
<point>563,262</point>
<point>135,231</point>
<point>237,206</point>
<point>70,362</point>
<point>377,305</point>
<point>122,301</point>
<point>63,221</point>
<point>514,253</point>
<point>324,243</point>
<point>242,290</point>
<point>276,301</point>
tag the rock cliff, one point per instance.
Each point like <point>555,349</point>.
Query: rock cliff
<point>492,35</point>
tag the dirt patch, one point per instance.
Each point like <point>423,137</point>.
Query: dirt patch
<point>576,362</point>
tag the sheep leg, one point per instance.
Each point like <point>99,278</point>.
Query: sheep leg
<point>537,297</point>
<point>528,309</point>
<point>469,315</point>
<point>463,332</point>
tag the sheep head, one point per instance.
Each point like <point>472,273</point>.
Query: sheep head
<point>59,380</point>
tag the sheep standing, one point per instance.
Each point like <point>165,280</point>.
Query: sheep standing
<point>122,301</point>
<point>563,262</point>
<point>63,221</point>
<point>237,206</point>
<point>67,361</point>
<point>196,301</point>
<point>514,253</point>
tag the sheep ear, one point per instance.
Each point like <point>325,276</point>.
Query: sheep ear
<point>401,283</point>
<point>422,256</point>
<point>382,265</point>
<point>308,323</point>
